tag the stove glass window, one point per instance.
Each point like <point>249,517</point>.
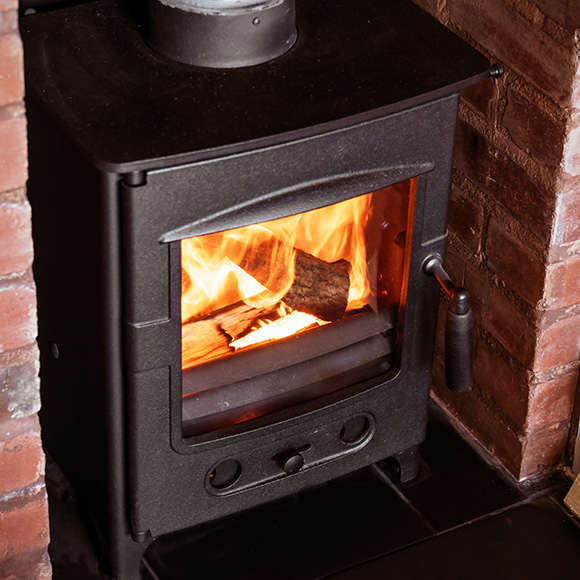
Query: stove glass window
<point>279,313</point>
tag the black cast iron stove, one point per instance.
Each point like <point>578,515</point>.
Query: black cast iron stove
<point>154,405</point>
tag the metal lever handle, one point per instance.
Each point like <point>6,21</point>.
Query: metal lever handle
<point>458,329</point>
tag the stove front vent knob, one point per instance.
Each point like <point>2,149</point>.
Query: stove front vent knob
<point>291,460</point>
<point>293,464</point>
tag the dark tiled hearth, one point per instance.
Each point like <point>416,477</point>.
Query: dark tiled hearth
<point>460,518</point>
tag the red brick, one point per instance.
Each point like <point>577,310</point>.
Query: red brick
<point>571,163</point>
<point>501,318</point>
<point>21,462</point>
<point>8,22</point>
<point>533,129</point>
<point>428,5</point>
<point>44,571</point>
<point>513,261</point>
<point>17,427</point>
<point>482,98</point>
<point>551,402</point>
<point>518,43</point>
<point>13,154</point>
<point>567,219</point>
<point>501,178</point>
<point>8,16</point>
<point>24,528</point>
<point>19,391</point>
<point>16,196</point>
<point>576,94</point>
<point>19,356</point>
<point>11,69</point>
<point>543,450</point>
<point>563,283</point>
<point>455,266</point>
<point>466,219</point>
<point>568,183</point>
<point>564,12</point>
<point>558,344</point>
<point>498,380</point>
<point>8,5</point>
<point>483,421</point>
<point>16,247</point>
<point>17,316</point>
<point>33,565</point>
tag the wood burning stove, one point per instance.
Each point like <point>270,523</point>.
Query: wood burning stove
<point>304,176</point>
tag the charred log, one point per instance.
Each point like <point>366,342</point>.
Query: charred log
<point>319,287</point>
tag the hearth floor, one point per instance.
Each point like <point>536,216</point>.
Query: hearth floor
<point>462,517</point>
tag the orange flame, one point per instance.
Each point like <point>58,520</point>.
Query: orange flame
<point>290,322</point>
<point>213,265</point>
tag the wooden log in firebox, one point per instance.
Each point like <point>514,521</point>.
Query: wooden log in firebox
<point>208,338</point>
<point>319,288</point>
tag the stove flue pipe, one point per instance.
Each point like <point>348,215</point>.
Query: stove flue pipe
<point>221,33</point>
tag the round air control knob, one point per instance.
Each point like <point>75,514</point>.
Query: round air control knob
<point>293,463</point>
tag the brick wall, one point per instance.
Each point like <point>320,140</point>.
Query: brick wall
<point>24,532</point>
<point>515,227</point>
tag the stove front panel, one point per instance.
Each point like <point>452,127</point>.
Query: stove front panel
<point>172,478</point>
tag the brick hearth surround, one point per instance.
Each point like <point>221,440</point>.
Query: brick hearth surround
<point>515,227</point>
<point>24,531</point>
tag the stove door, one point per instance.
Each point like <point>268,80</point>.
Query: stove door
<point>282,312</point>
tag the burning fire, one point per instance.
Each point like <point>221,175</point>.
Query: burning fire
<point>314,263</point>
<point>290,322</point>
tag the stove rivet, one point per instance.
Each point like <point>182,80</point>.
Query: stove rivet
<point>293,464</point>
<point>256,21</point>
<point>496,71</point>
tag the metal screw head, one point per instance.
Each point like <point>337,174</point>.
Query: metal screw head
<point>496,71</point>
<point>256,21</point>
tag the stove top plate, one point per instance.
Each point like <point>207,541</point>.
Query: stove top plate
<point>130,109</point>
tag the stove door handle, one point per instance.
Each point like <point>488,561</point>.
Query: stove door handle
<point>458,329</point>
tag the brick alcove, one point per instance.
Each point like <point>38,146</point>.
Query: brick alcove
<point>515,243</point>
<point>24,534</point>
<point>515,228</point>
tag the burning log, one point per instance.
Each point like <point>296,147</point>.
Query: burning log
<point>319,288</point>
<point>209,338</point>
<point>202,341</point>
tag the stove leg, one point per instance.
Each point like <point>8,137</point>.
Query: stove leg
<point>127,556</point>
<point>408,461</point>
<point>402,466</point>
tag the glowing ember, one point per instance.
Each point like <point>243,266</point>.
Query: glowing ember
<point>290,323</point>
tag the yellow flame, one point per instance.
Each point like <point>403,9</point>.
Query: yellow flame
<point>211,263</point>
<point>291,323</point>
